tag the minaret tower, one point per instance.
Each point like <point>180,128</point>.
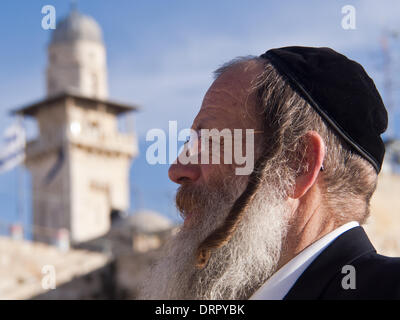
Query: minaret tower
<point>80,161</point>
<point>77,58</point>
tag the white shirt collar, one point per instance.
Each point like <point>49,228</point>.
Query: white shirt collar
<point>279,284</point>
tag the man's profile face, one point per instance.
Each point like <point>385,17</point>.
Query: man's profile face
<point>228,104</point>
<point>205,197</point>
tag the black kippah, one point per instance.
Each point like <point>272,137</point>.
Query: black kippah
<point>341,92</point>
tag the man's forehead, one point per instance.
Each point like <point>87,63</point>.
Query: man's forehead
<point>229,100</point>
<point>236,81</point>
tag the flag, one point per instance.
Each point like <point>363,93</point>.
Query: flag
<point>56,168</point>
<point>12,151</point>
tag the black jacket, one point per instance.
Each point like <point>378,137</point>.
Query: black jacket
<point>374,276</point>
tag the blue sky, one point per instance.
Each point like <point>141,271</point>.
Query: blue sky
<point>161,55</point>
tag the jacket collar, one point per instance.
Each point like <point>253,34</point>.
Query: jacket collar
<point>343,250</point>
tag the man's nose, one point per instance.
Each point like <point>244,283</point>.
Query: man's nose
<point>181,173</point>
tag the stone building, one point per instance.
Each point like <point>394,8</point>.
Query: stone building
<point>80,161</point>
<point>109,267</point>
<point>31,270</point>
<point>133,244</point>
<point>77,58</point>
<point>80,164</point>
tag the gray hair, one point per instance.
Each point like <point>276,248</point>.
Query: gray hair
<point>348,179</point>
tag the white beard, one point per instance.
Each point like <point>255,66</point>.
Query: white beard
<point>234,271</point>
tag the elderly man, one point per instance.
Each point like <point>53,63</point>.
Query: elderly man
<point>290,229</point>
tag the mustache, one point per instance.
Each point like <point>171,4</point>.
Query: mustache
<point>190,198</point>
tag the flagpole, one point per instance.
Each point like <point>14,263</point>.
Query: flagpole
<point>21,184</point>
<point>11,156</point>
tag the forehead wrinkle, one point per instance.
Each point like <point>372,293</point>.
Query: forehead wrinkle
<point>233,95</point>
<point>239,112</point>
<point>218,114</point>
<point>214,119</point>
<point>229,102</point>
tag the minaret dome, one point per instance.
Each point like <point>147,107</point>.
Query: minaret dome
<point>77,58</point>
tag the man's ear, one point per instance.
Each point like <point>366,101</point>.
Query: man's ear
<point>311,163</point>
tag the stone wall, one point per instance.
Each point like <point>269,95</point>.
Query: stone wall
<point>383,225</point>
<point>98,284</point>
